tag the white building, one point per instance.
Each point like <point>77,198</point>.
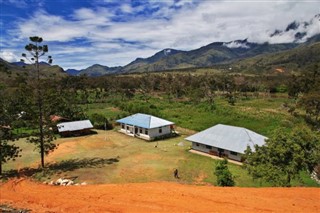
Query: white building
<point>145,126</point>
<point>74,128</point>
<point>226,141</point>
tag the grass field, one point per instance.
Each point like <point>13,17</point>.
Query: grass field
<point>112,157</point>
<point>262,115</point>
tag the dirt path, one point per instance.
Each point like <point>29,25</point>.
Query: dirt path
<point>156,197</point>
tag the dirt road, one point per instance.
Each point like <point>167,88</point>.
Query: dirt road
<point>156,197</point>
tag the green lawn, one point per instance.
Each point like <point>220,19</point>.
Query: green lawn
<point>112,157</point>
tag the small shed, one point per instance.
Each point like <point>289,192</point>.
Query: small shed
<point>145,126</point>
<point>226,141</point>
<point>75,128</point>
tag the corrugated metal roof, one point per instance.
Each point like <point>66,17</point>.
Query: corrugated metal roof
<point>74,126</point>
<point>231,138</point>
<point>145,121</point>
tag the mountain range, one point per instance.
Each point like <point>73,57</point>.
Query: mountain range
<point>232,53</point>
<point>213,54</point>
<point>242,55</point>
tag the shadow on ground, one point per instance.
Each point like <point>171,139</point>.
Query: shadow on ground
<point>62,166</point>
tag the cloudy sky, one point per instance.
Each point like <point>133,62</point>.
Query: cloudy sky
<point>80,33</point>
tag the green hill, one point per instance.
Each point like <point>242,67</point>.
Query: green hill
<point>98,70</point>
<point>294,60</point>
<point>210,55</point>
<point>10,71</point>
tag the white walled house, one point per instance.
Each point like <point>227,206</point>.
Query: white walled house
<point>145,126</point>
<point>226,141</point>
<point>75,128</point>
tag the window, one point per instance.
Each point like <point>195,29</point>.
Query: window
<point>197,144</point>
<point>146,132</point>
<point>122,126</point>
<point>208,147</point>
<point>127,127</point>
<point>233,153</point>
<point>160,130</point>
<point>140,130</point>
<point>220,150</point>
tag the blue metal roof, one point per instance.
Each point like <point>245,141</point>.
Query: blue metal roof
<point>231,138</point>
<point>144,121</point>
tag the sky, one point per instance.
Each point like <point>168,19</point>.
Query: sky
<point>81,33</point>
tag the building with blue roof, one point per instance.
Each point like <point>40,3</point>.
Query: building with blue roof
<point>226,141</point>
<point>145,126</point>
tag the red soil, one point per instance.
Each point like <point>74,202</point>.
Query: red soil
<point>156,197</point>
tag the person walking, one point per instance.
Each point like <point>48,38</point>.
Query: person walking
<point>176,174</point>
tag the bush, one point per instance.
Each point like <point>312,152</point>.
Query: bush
<point>224,176</point>
<point>99,121</point>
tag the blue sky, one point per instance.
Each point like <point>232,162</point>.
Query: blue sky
<point>81,33</point>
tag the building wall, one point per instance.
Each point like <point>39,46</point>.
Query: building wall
<point>165,130</point>
<point>75,133</point>
<point>147,134</point>
<point>215,151</point>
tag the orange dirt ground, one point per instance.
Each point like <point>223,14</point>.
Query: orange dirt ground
<point>156,197</point>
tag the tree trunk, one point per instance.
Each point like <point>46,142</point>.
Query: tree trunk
<point>41,130</point>
<point>0,162</point>
<point>40,105</point>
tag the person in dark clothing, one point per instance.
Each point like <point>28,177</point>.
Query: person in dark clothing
<point>176,173</point>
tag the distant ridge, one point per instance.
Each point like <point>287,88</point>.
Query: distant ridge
<point>207,56</point>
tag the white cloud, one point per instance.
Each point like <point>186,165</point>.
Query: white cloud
<point>235,44</point>
<point>174,24</point>
<point>97,17</point>
<point>9,56</point>
<point>126,8</point>
<point>16,3</point>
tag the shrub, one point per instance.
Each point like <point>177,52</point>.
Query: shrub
<point>224,176</point>
<point>100,121</point>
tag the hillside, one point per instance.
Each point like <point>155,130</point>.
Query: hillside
<point>11,71</point>
<point>245,56</point>
<point>294,60</point>
<point>212,54</point>
<point>98,70</point>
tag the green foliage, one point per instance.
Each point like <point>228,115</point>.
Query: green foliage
<point>284,156</point>
<point>307,86</point>
<point>9,151</point>
<point>224,176</point>
<point>47,140</point>
<point>8,112</point>
<point>311,104</point>
<point>139,106</point>
<point>99,121</point>
<point>231,98</point>
<point>282,88</point>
